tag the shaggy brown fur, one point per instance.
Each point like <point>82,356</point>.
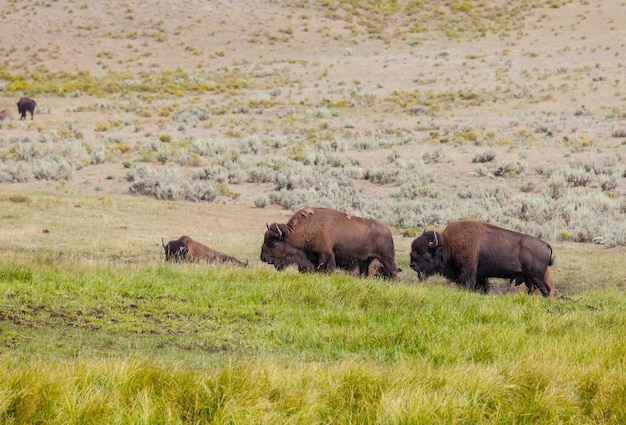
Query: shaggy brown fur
<point>470,252</point>
<point>197,252</point>
<point>322,239</point>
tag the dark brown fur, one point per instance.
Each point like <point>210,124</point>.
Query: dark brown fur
<point>470,252</point>
<point>191,251</point>
<point>175,251</point>
<point>24,105</point>
<point>535,291</point>
<point>323,239</point>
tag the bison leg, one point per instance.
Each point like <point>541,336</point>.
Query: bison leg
<point>468,279</point>
<point>482,285</point>
<point>327,262</point>
<point>532,289</point>
<point>389,268</point>
<point>539,283</point>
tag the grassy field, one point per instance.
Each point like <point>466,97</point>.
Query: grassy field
<point>96,328</point>
<point>212,119</point>
<point>161,343</point>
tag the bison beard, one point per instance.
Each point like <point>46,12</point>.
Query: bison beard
<point>189,250</point>
<point>323,239</point>
<point>470,252</point>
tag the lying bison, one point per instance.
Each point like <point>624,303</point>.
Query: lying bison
<point>322,239</point>
<point>26,104</point>
<point>470,252</point>
<point>191,251</point>
<point>6,115</point>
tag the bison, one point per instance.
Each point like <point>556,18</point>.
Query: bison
<point>191,251</point>
<point>322,239</point>
<point>6,115</point>
<point>26,104</point>
<point>470,252</point>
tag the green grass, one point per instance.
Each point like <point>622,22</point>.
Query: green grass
<point>160,343</point>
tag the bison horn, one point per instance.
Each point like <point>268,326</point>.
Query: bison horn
<point>434,243</point>
<point>280,233</point>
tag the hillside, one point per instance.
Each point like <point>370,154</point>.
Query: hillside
<point>455,101</point>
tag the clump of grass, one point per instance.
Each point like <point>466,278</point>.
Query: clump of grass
<point>618,132</point>
<point>482,157</point>
<point>169,184</point>
<point>434,157</point>
<point>230,172</point>
<point>510,169</point>
<point>576,176</point>
<point>262,201</point>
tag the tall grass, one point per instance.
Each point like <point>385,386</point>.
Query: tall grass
<point>110,343</point>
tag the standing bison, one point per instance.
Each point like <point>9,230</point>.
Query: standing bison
<point>26,104</point>
<point>191,251</point>
<point>322,239</point>
<point>470,252</point>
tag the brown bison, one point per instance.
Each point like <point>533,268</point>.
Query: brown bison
<point>26,104</point>
<point>6,115</point>
<point>322,239</point>
<point>191,251</point>
<point>470,252</point>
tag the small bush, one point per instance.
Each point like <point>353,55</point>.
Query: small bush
<point>576,176</point>
<point>510,169</point>
<point>433,157</point>
<point>261,201</point>
<point>482,157</point>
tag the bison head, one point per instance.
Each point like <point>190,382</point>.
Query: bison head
<point>175,250</point>
<point>278,250</point>
<point>427,254</point>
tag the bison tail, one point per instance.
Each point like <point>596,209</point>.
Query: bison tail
<point>162,242</point>
<point>551,260</point>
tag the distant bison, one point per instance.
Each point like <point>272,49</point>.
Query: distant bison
<point>322,239</point>
<point>26,104</point>
<point>188,250</point>
<point>470,252</point>
<point>6,115</point>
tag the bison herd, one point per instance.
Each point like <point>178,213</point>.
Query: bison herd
<point>323,239</point>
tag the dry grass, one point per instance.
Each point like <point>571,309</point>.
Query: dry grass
<point>542,89</point>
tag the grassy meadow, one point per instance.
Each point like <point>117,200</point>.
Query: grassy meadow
<point>212,119</point>
<point>98,329</point>
<point>161,343</point>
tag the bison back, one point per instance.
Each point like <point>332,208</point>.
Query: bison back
<point>351,239</point>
